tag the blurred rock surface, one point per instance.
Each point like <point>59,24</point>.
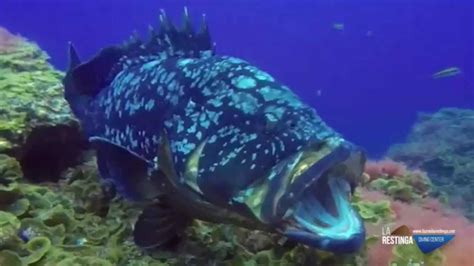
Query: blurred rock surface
<point>36,124</point>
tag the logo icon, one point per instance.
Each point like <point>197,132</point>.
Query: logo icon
<point>431,239</point>
<point>400,236</point>
<point>427,240</point>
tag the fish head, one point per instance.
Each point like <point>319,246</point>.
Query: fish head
<point>295,176</point>
<point>306,197</point>
<point>315,208</point>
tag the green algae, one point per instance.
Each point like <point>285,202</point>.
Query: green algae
<point>9,225</point>
<point>395,188</point>
<point>410,187</point>
<point>373,212</point>
<point>35,120</point>
<point>46,218</point>
<point>87,260</point>
<point>37,247</point>
<point>411,255</point>
<point>82,227</point>
<point>30,94</point>
<point>10,258</point>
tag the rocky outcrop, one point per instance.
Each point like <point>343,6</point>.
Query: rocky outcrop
<point>442,144</point>
<point>36,124</point>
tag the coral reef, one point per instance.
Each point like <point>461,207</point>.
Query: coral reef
<point>49,225</point>
<point>387,167</point>
<point>427,213</point>
<point>8,41</point>
<point>72,223</point>
<point>442,144</point>
<point>394,179</point>
<point>35,121</point>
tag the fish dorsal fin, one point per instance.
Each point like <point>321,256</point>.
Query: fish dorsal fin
<point>168,41</point>
<point>90,77</point>
<point>182,42</point>
<point>74,60</point>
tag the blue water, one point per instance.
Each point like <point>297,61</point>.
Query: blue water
<point>373,76</point>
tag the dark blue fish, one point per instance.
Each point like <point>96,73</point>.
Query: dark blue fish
<point>214,138</point>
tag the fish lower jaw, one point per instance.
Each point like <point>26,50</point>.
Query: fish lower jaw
<point>326,219</point>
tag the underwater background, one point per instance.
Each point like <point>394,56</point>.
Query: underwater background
<point>395,77</point>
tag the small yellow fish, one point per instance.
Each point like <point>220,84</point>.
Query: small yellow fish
<point>448,72</point>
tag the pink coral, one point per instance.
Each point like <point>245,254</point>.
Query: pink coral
<point>426,215</point>
<point>386,167</point>
<point>8,41</point>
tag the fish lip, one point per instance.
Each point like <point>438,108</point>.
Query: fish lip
<point>342,168</point>
<point>344,160</point>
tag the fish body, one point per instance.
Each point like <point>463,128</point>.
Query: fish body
<point>448,72</point>
<point>215,137</point>
<point>338,26</point>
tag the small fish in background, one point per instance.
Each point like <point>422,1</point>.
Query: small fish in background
<point>338,26</point>
<point>319,93</point>
<point>448,72</point>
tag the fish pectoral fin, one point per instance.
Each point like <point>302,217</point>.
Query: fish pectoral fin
<point>127,172</point>
<point>158,226</point>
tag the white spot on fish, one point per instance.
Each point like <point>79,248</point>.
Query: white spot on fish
<point>244,82</point>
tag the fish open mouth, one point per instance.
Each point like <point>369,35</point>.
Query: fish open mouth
<point>320,213</point>
<point>306,197</point>
<point>324,217</point>
<point>316,208</point>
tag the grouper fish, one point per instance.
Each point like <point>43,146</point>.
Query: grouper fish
<point>204,136</point>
